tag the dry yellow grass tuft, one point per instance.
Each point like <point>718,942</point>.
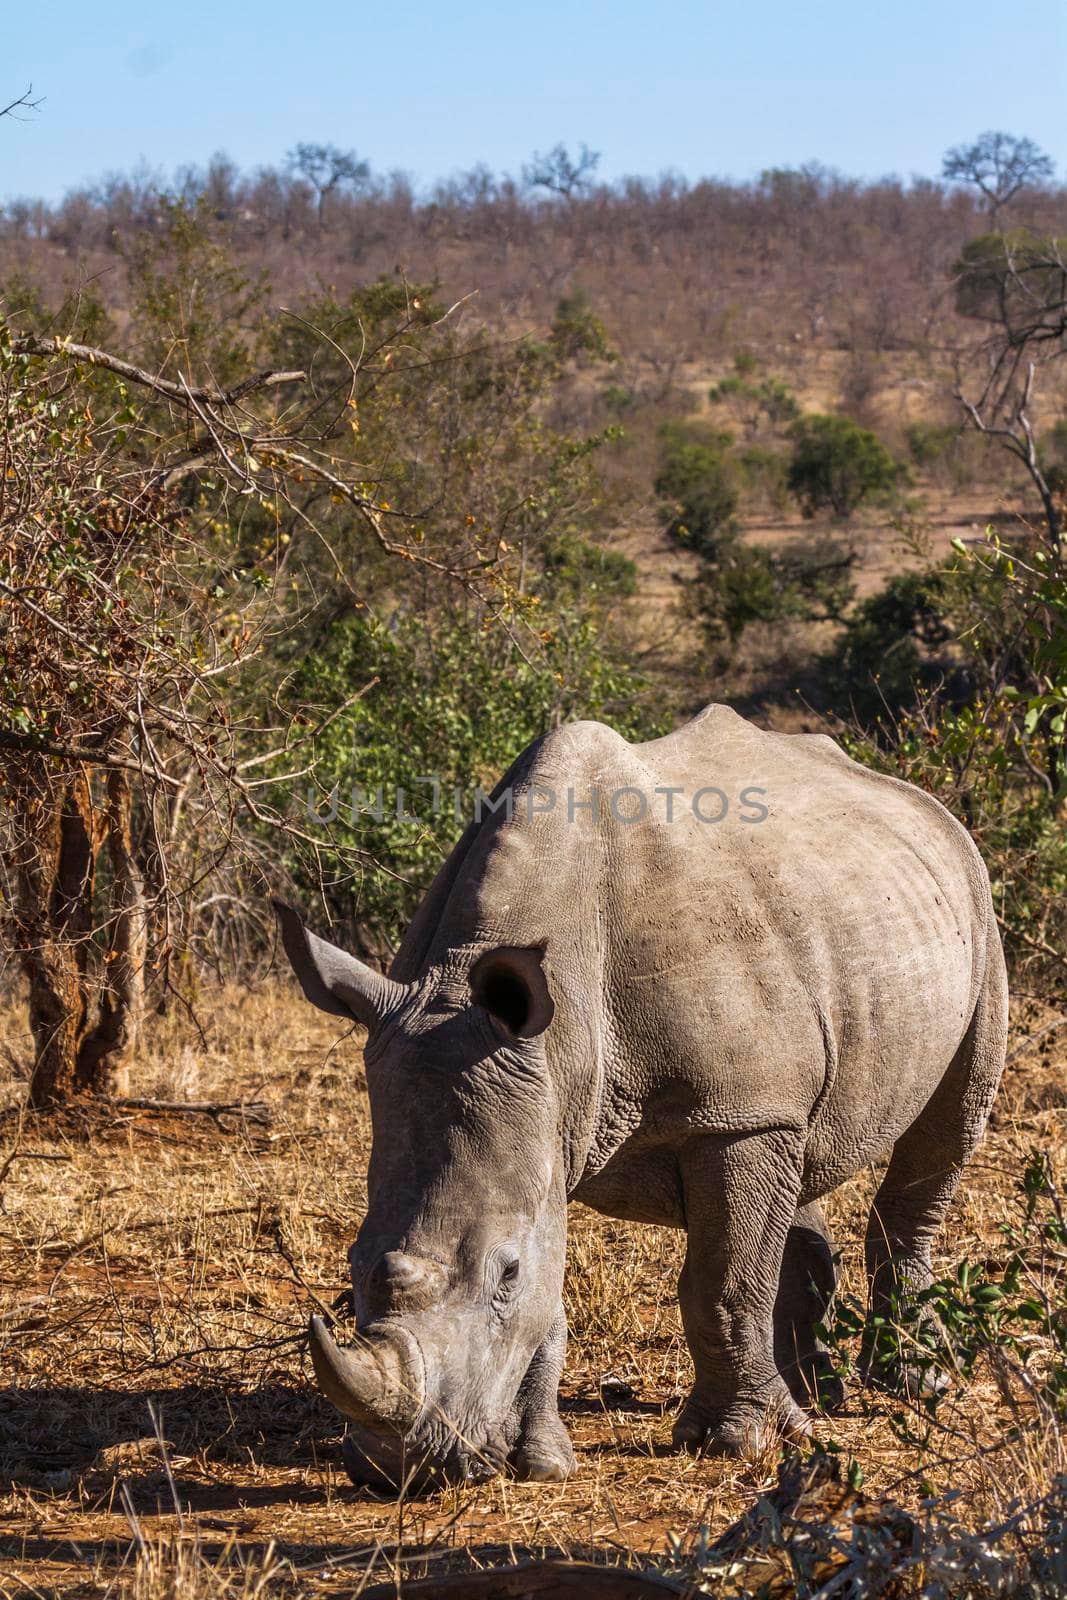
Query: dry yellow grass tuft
<point>158,1427</point>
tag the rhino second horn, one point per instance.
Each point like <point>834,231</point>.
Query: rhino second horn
<point>371,1382</point>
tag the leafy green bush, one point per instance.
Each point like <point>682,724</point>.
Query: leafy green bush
<point>778,401</point>
<point>456,703</point>
<point>739,583</point>
<point>771,399</point>
<point>930,442</point>
<point>958,681</point>
<point>837,464</point>
<point>728,388</point>
<point>576,568</point>
<point>895,645</point>
<point>578,333</point>
<point>765,474</point>
<point>698,486</point>
<point>617,399</point>
<point>749,583</point>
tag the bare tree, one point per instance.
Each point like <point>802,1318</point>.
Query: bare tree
<point>998,165</point>
<point>560,173</point>
<point>1019,284</point>
<point>327,169</point>
<point>110,667</point>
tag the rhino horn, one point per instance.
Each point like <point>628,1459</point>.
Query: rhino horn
<point>372,1382</point>
<point>332,979</point>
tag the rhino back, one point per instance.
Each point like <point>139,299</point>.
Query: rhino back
<point>824,964</point>
<point>817,968</point>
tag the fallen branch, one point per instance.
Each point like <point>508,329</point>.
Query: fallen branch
<point>562,1580</point>
<point>256,1111</point>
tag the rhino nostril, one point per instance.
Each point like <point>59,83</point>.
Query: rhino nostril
<point>407,1277</point>
<point>402,1271</point>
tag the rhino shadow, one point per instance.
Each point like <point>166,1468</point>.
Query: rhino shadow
<point>52,1430</point>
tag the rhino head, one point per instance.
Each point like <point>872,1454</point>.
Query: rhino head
<point>457,1270</point>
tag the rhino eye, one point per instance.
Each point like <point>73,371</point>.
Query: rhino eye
<point>509,1272</point>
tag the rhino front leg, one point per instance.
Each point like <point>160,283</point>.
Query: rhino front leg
<point>740,1197</point>
<point>543,1450</point>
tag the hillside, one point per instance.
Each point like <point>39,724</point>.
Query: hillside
<point>838,290</point>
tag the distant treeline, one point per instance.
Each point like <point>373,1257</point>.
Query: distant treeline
<point>675,268</point>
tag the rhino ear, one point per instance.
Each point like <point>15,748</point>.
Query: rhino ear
<point>510,983</point>
<point>330,978</point>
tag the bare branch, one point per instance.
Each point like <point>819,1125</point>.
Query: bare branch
<point>23,103</point>
<point>29,743</point>
<point>35,345</point>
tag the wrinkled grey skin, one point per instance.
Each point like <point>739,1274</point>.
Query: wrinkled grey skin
<point>704,1026</point>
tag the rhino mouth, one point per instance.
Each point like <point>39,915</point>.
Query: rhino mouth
<point>396,1442</point>
<point>393,1465</point>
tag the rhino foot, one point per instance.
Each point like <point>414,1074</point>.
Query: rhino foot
<point>544,1453</point>
<point>740,1430</point>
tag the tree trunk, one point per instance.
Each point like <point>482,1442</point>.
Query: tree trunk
<point>84,1021</point>
<point>54,858</point>
<point>105,1053</point>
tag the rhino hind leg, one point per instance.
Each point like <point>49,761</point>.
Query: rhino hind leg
<point>543,1451</point>
<point>805,1290</point>
<point>740,1198</point>
<point>924,1172</point>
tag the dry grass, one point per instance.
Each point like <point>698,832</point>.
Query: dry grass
<point>164,1259</point>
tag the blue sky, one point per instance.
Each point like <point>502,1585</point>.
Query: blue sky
<point>432,88</point>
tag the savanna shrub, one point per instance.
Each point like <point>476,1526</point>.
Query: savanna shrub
<point>698,488</point>
<point>896,645</point>
<point>456,704</point>
<point>837,464</point>
<point>578,334</point>
<point>749,583</point>
<point>765,475</point>
<point>956,680</point>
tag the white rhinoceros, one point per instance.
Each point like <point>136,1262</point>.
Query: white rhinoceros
<point>697,982</point>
